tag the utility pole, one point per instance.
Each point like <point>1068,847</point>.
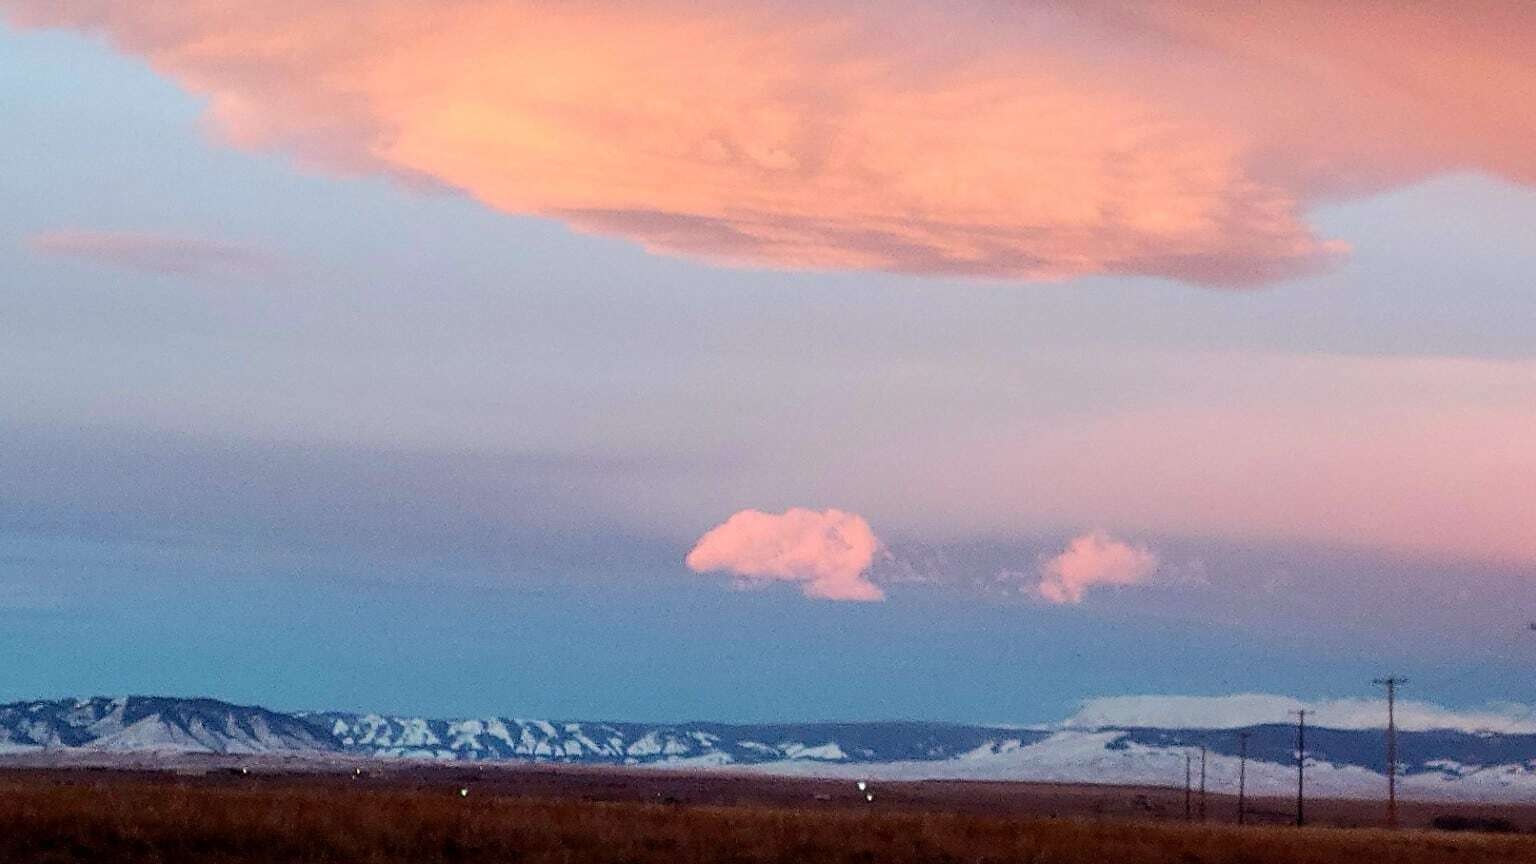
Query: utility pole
<point>1301,767</point>
<point>1188,812</point>
<point>1390,682</point>
<point>1202,782</point>
<point>1242,777</point>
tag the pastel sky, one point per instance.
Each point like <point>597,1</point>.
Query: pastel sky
<point>667,360</point>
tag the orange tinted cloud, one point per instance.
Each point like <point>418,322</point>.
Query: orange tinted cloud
<point>1094,559</point>
<point>994,138</point>
<point>827,552</point>
<point>155,253</point>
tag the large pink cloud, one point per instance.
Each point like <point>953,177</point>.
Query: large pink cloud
<point>826,552</point>
<point>1091,560</point>
<point>992,138</point>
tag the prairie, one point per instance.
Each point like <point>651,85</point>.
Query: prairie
<point>107,817</point>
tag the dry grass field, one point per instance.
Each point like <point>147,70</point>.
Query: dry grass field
<point>110,818</point>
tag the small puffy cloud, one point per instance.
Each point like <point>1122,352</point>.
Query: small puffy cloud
<point>1094,559</point>
<point>828,552</point>
<point>154,253</point>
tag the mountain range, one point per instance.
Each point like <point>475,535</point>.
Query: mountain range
<point>1434,763</point>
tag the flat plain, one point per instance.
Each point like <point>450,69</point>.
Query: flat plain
<point>427,814</point>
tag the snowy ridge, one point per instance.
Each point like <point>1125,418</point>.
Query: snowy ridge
<point>133,724</point>
<point>1436,763</point>
<point>637,744</point>
<point>1144,757</point>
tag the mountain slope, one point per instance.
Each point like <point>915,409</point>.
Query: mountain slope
<point>139,723</point>
<point>1434,763</point>
<point>636,743</point>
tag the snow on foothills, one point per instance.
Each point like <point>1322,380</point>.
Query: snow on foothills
<point>828,752</point>
<point>1103,757</point>
<point>1124,753</point>
<point>150,725</point>
<point>706,760</point>
<point>1254,709</point>
<point>1071,757</point>
<point>1127,740</point>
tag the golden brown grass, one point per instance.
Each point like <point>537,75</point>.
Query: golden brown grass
<point>166,823</point>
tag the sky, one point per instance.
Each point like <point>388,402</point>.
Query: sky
<point>683,361</point>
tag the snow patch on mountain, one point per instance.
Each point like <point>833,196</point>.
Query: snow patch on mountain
<point>828,752</point>
<point>1104,757</point>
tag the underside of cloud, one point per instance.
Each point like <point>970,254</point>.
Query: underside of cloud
<point>1091,560</point>
<point>1253,709</point>
<point>1001,139</point>
<point>827,552</point>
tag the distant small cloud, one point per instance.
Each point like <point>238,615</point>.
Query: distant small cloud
<point>155,253</point>
<point>827,552</point>
<point>1094,559</point>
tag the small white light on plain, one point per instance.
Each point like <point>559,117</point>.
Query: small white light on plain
<point>463,793</point>
<point>863,785</point>
<point>870,797</point>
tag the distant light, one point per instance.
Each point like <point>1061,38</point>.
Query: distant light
<point>463,793</point>
<point>870,797</point>
<point>863,786</point>
<point>245,770</point>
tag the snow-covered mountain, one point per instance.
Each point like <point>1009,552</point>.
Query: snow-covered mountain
<point>1438,763</point>
<point>138,724</point>
<point>639,743</point>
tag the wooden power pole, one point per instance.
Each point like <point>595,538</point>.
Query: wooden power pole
<point>1188,778</point>
<point>1390,682</point>
<point>1202,782</point>
<point>1301,767</point>
<point>1242,777</point>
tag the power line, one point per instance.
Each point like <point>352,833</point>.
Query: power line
<point>1480,665</point>
<point>1530,711</point>
<point>1390,682</point>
